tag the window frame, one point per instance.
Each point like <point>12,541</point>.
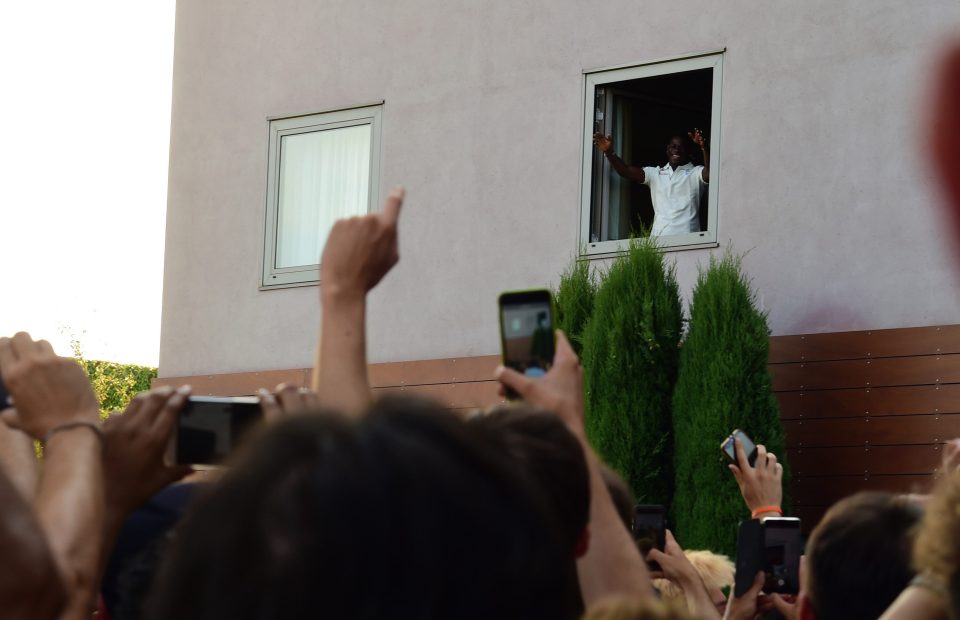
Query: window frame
<point>665,66</point>
<point>273,277</point>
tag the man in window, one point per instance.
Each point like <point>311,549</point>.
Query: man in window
<point>675,188</point>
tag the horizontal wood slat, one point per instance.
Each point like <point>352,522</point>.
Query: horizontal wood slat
<point>237,384</point>
<point>428,372</point>
<point>872,460</point>
<point>875,401</point>
<point>890,430</point>
<point>825,491</point>
<point>865,344</point>
<point>915,370</point>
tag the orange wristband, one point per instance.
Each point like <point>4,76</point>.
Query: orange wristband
<point>762,509</point>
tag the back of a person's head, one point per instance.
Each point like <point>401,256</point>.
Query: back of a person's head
<point>937,549</point>
<point>403,514</point>
<point>548,452</point>
<point>858,557</point>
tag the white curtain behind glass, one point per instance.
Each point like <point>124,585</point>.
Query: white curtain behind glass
<point>324,176</point>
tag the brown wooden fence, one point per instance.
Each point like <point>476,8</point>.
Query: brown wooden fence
<point>865,410</point>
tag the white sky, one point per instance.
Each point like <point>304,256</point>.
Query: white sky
<point>85,103</point>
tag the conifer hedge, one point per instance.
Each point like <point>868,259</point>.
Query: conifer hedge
<point>723,384</point>
<point>630,361</point>
<point>574,301</point>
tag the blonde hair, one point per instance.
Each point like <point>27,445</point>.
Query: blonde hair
<point>714,569</point>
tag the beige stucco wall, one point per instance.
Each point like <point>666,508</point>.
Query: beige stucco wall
<point>824,178</point>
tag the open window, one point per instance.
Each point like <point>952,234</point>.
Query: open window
<point>643,109</point>
<point>322,167</point>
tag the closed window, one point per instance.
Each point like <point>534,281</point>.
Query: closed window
<point>322,167</point>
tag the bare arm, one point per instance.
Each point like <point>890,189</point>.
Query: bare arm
<point>612,565</point>
<point>54,400</point>
<point>19,460</point>
<point>359,252</point>
<point>699,140</point>
<point>605,145</point>
<point>916,603</point>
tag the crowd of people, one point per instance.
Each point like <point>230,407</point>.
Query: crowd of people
<point>342,505</point>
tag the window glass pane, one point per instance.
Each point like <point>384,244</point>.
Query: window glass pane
<point>324,176</point>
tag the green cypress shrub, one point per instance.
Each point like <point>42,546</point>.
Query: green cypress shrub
<point>723,384</point>
<point>574,301</point>
<point>630,361</point>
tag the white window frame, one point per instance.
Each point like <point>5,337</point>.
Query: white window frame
<point>598,77</point>
<point>309,275</point>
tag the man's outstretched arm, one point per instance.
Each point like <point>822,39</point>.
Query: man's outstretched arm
<point>605,145</point>
<point>359,252</point>
<point>701,142</point>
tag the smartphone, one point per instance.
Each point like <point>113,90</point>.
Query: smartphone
<point>209,428</point>
<point>526,331</point>
<point>772,546</point>
<point>650,530</point>
<point>749,448</point>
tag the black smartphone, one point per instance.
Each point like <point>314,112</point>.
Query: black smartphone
<point>749,448</point>
<point>210,427</point>
<point>650,529</point>
<point>526,331</point>
<point>772,546</point>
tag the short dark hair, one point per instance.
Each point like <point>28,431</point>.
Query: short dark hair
<point>403,513</point>
<point>546,450</point>
<point>858,557</point>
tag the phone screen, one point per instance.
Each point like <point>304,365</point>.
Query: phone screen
<point>209,428</point>
<point>526,331</point>
<point>650,529</point>
<point>782,555</point>
<point>749,448</point>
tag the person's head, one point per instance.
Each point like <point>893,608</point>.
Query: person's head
<point>858,557</point>
<point>937,549</point>
<point>404,513</point>
<point>547,451</point>
<point>679,149</point>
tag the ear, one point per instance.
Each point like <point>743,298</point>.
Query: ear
<point>804,608</point>
<point>583,543</point>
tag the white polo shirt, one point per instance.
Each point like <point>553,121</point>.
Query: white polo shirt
<point>676,198</point>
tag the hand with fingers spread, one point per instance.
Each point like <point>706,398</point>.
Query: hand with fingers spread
<point>48,391</point>
<point>286,400</point>
<point>361,250</point>
<point>761,485</point>
<point>602,142</point>
<point>559,391</point>
<point>134,446</point>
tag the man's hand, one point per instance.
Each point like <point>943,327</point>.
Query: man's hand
<point>48,391</point>
<point>674,563</point>
<point>761,485</point>
<point>602,142</point>
<point>559,391</point>
<point>134,445</point>
<point>361,250</point>
<point>745,607</point>
<point>698,138</point>
<point>287,400</point>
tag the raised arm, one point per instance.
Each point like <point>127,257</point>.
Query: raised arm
<point>55,403</point>
<point>605,145</point>
<point>699,140</point>
<point>359,252</point>
<point>612,565</point>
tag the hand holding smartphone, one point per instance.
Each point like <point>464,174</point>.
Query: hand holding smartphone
<point>650,530</point>
<point>209,428</point>
<point>527,332</point>
<point>772,546</point>
<point>749,448</point>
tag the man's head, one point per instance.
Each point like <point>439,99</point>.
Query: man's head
<point>858,557</point>
<point>405,513</point>
<point>679,149</point>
